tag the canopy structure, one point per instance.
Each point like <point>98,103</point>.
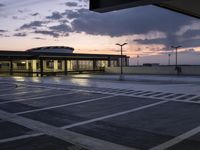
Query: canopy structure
<point>188,7</point>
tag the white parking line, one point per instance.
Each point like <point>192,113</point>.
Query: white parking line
<point>25,92</point>
<point>68,136</point>
<point>122,94</point>
<point>20,137</point>
<point>191,98</point>
<point>36,98</point>
<point>6,89</point>
<point>87,121</point>
<point>114,115</point>
<point>65,105</point>
<point>177,139</point>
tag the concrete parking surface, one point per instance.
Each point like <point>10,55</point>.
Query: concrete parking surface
<point>66,113</point>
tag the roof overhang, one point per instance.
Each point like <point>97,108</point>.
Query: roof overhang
<point>188,7</point>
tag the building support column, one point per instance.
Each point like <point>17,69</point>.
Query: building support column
<point>41,68</point>
<point>65,67</point>
<point>118,62</point>
<point>11,67</point>
<point>127,61</point>
<point>55,65</point>
<point>27,65</point>
<point>77,65</point>
<point>94,64</point>
<point>34,67</point>
<point>109,62</point>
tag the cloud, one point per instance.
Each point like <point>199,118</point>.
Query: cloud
<point>130,21</point>
<point>39,38</point>
<point>46,32</point>
<point>2,5</point>
<point>55,16</point>
<point>187,40</point>
<point>3,31</point>
<point>71,14</point>
<point>71,4</point>
<point>61,28</point>
<point>32,25</point>
<point>20,34</point>
<point>35,14</point>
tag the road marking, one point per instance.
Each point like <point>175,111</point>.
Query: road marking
<point>65,105</point>
<point>68,136</point>
<point>158,97</point>
<point>35,98</point>
<point>6,89</point>
<point>192,98</point>
<point>177,139</point>
<point>20,137</point>
<point>25,92</point>
<point>114,115</point>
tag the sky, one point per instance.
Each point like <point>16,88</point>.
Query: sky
<point>149,31</point>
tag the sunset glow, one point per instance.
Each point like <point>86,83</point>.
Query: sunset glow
<point>149,31</point>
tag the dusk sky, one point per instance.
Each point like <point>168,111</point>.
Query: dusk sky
<point>149,31</point>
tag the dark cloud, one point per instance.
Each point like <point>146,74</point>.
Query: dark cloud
<point>32,25</point>
<point>127,22</point>
<point>3,35</point>
<point>2,5</point>
<point>3,31</point>
<point>35,14</point>
<point>141,20</point>
<point>71,4</point>
<point>191,33</point>
<point>46,32</point>
<point>20,11</point>
<point>191,51</point>
<point>61,28</point>
<point>71,14</point>
<point>187,40</point>
<point>55,16</point>
<point>39,38</point>
<point>20,34</point>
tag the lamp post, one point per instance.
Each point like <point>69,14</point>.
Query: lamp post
<point>121,66</point>
<point>169,60</point>
<point>176,48</point>
<point>138,56</point>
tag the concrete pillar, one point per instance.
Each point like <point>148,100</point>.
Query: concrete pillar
<point>77,65</point>
<point>55,65</point>
<point>41,68</point>
<point>118,62</point>
<point>65,67</point>
<point>27,65</point>
<point>69,65</point>
<point>44,65</point>
<point>127,61</point>
<point>34,65</point>
<point>11,67</point>
<point>109,62</point>
<point>94,64</point>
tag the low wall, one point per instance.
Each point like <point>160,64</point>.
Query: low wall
<point>155,70</point>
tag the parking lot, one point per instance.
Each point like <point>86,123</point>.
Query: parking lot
<point>42,115</point>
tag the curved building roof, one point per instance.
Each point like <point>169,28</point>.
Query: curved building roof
<point>52,49</point>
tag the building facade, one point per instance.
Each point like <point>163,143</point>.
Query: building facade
<point>54,60</point>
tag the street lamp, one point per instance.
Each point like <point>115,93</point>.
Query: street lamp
<point>121,72</point>
<point>138,56</point>
<point>169,59</point>
<point>176,48</point>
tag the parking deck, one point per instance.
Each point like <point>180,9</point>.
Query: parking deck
<point>40,116</point>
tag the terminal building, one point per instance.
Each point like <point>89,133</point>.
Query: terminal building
<point>55,60</point>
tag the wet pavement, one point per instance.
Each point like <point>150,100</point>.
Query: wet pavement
<point>38,114</point>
